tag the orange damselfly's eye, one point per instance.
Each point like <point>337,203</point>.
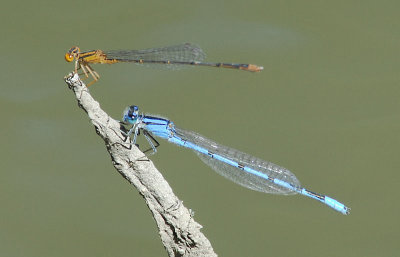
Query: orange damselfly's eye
<point>69,57</point>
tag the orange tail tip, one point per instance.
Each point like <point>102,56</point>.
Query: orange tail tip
<point>254,68</point>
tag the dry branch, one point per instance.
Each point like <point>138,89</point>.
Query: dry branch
<point>179,232</point>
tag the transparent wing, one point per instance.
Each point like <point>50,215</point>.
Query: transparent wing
<point>178,53</point>
<point>237,175</point>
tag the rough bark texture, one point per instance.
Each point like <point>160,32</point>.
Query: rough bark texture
<point>179,232</point>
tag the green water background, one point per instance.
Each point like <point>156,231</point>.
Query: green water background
<point>326,107</point>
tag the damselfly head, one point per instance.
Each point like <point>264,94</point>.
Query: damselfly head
<point>72,53</point>
<point>130,114</point>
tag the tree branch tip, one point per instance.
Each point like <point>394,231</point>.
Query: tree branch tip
<point>73,80</point>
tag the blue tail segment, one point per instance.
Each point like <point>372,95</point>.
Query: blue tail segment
<point>241,168</point>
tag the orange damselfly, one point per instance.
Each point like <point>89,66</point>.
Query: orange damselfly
<point>172,56</point>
